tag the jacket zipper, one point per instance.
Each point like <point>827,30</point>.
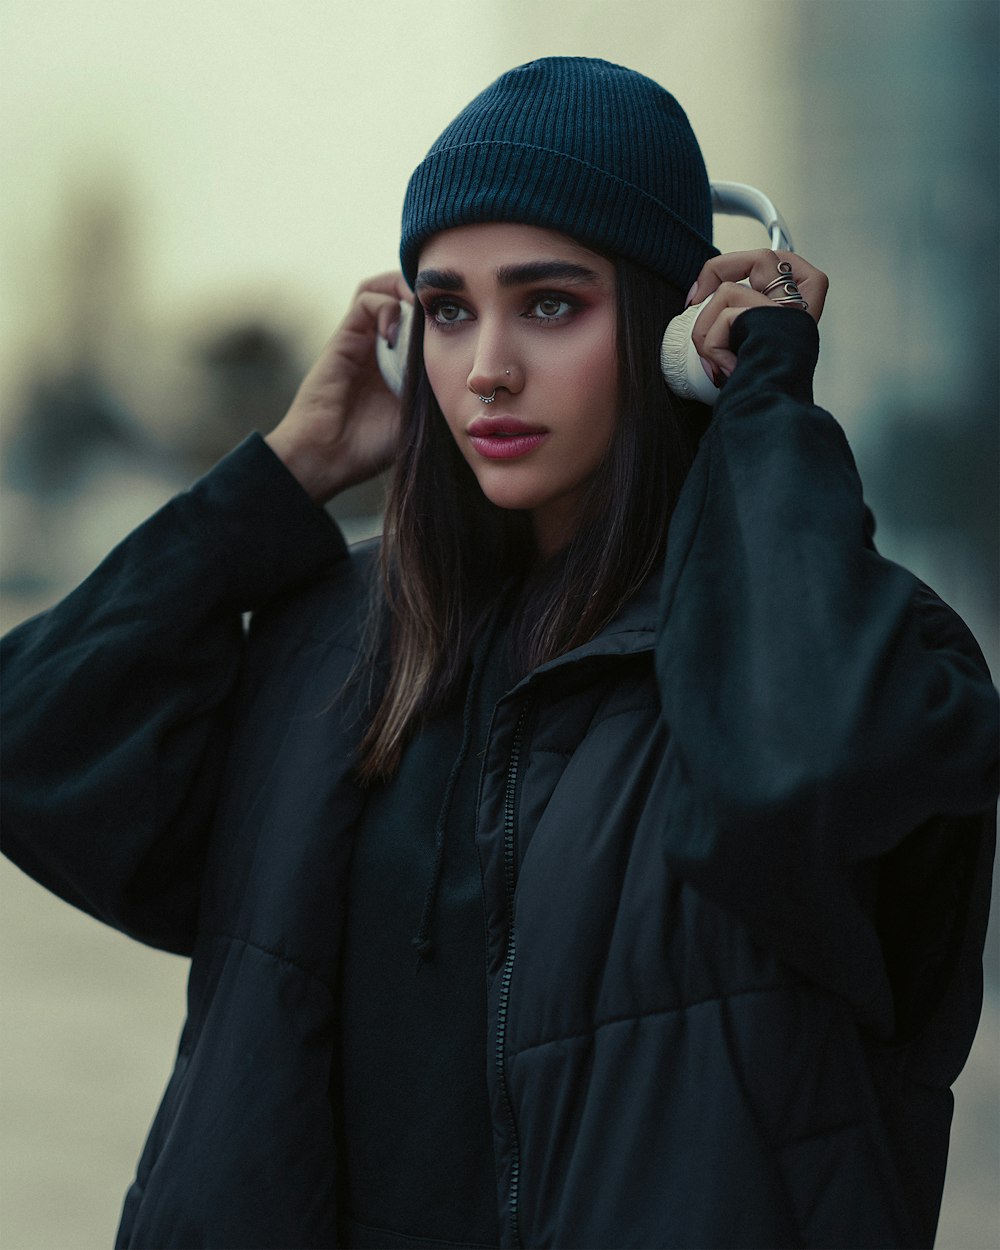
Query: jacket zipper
<point>507,972</point>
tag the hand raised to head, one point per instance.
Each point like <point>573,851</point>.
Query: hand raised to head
<point>343,424</point>
<point>796,286</point>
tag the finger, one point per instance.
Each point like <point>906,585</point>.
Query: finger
<point>760,267</point>
<point>806,281</point>
<point>390,283</point>
<point>373,313</point>
<point>729,267</point>
<point>813,285</point>
<point>387,315</point>
<point>387,321</point>
<point>715,347</point>
<point>712,343</point>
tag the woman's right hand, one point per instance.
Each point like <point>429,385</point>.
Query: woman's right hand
<point>343,424</point>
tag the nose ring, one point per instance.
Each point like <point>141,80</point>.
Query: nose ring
<point>487,399</point>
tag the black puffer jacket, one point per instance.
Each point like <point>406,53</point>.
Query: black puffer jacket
<point>739,967</point>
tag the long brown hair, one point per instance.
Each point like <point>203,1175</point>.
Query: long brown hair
<point>446,549</point>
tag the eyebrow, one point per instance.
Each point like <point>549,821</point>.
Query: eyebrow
<point>512,275</point>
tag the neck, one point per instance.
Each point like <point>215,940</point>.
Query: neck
<point>554,526</point>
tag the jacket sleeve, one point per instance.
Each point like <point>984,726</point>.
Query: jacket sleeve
<point>823,703</point>
<point>116,701</point>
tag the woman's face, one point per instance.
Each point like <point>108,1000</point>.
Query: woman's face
<point>530,314</point>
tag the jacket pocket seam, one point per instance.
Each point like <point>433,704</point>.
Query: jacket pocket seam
<point>270,951</point>
<point>642,1015</point>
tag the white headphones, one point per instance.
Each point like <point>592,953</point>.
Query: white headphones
<point>679,359</point>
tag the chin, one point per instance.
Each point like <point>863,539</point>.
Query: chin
<point>510,497</point>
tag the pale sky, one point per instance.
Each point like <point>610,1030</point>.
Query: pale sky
<point>265,144</point>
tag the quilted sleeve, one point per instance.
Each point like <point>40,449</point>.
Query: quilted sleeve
<point>116,702</point>
<point>825,705</point>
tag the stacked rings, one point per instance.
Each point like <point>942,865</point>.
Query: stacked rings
<point>788,287</point>
<point>786,282</point>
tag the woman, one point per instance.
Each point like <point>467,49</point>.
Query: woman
<point>642,729</point>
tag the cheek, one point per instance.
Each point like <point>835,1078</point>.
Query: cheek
<point>592,357</point>
<point>594,383</point>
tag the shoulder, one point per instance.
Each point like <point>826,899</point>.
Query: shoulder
<point>942,628</point>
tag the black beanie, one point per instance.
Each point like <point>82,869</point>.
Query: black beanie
<point>580,146</point>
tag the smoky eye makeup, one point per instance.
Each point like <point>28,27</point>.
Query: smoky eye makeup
<point>443,311</point>
<point>442,293</point>
<point>544,308</point>
<point>552,306</point>
<point>435,290</point>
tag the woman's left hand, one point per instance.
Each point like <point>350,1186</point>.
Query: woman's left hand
<point>721,279</point>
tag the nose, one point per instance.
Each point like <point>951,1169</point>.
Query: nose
<point>495,365</point>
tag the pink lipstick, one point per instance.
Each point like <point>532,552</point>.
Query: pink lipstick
<point>504,438</point>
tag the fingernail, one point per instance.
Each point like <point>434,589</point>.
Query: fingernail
<point>727,372</point>
<point>690,294</point>
<point>392,334</point>
<point>708,369</point>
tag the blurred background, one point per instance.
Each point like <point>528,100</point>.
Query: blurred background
<point>192,190</point>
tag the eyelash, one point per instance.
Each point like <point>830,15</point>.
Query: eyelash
<point>434,306</point>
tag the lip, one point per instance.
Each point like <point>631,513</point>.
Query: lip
<point>490,427</point>
<point>504,438</point>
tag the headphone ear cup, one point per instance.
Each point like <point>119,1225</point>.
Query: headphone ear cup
<point>392,360</point>
<point>680,363</point>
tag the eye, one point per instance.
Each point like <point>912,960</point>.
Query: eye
<point>445,312</point>
<point>551,308</point>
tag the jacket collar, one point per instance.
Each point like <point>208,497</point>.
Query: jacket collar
<point>631,632</point>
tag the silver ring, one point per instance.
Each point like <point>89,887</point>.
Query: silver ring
<point>487,399</point>
<point>793,299</point>
<point>787,283</point>
<point>784,266</point>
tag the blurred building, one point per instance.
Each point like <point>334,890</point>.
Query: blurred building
<point>898,138</point>
<point>899,134</point>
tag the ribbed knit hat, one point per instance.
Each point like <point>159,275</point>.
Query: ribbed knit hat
<point>581,146</point>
